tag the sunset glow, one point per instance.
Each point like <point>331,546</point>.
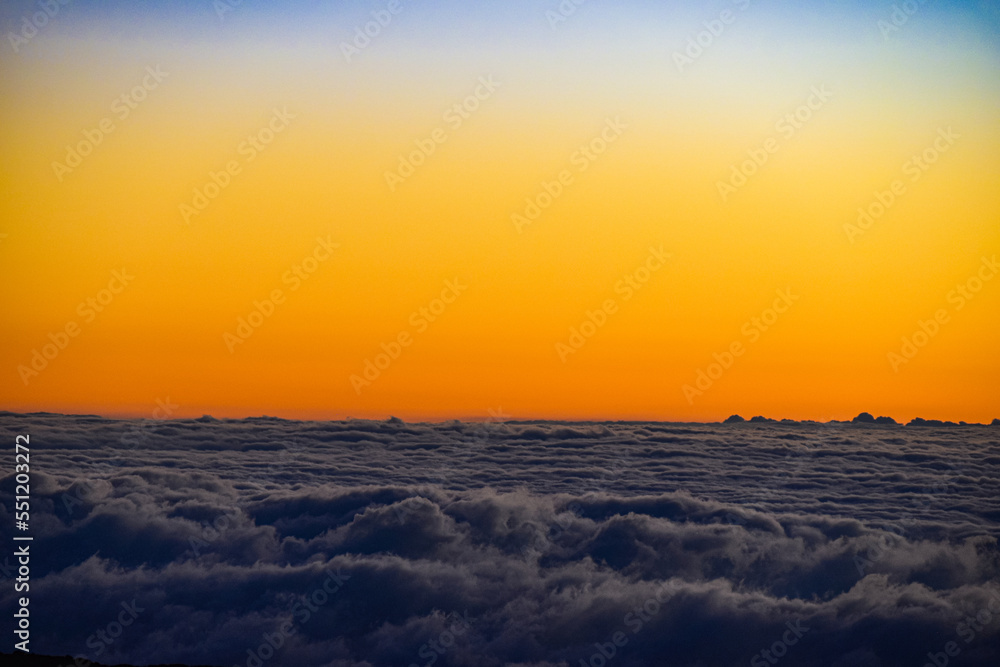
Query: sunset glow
<point>485,206</point>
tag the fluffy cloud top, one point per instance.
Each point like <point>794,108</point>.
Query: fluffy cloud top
<point>382,543</point>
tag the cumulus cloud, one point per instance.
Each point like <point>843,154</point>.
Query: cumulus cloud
<point>383,543</point>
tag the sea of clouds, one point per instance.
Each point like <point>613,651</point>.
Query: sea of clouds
<point>270,542</point>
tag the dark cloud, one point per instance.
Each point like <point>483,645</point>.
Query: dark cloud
<point>383,543</point>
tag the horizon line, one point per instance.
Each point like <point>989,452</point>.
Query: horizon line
<point>734,419</point>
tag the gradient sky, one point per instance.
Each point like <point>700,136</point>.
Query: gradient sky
<point>889,95</point>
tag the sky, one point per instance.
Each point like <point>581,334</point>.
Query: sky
<point>630,210</point>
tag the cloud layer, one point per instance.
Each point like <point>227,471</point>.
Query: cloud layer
<point>383,543</point>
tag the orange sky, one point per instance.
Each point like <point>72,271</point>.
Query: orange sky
<point>389,201</point>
